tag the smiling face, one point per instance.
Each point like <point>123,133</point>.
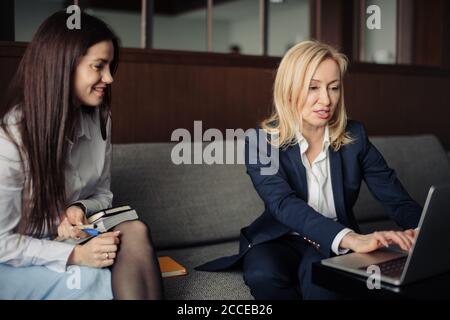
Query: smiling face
<point>323,95</point>
<point>92,74</point>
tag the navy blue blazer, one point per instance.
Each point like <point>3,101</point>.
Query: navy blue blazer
<point>285,196</point>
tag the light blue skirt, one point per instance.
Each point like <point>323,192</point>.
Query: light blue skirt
<point>37,283</point>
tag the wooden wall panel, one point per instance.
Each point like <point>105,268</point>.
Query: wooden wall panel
<point>400,104</point>
<point>155,99</point>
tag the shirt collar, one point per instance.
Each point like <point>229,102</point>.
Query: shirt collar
<point>304,144</point>
<point>83,128</point>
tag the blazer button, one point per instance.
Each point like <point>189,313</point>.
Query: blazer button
<point>250,245</point>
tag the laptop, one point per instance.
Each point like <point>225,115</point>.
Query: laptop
<point>429,255</point>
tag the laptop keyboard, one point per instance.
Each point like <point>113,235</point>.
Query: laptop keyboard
<point>392,268</point>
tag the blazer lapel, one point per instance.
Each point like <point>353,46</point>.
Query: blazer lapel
<point>293,153</point>
<point>338,186</point>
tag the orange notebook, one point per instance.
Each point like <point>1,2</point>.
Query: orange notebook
<point>170,268</point>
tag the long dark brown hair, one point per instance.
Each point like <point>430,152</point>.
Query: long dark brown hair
<point>42,92</point>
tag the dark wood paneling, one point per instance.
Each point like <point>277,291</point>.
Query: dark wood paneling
<point>327,18</point>
<point>405,23</point>
<point>431,32</point>
<point>390,104</point>
<point>151,100</point>
<point>156,92</point>
<point>332,22</point>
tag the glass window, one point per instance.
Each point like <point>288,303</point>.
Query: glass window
<point>236,27</point>
<point>379,31</point>
<point>288,24</point>
<point>28,16</point>
<point>181,26</point>
<point>124,20</point>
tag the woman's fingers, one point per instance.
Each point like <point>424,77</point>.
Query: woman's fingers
<point>109,238</point>
<point>111,255</point>
<point>76,215</point>
<point>411,236</point>
<point>399,238</point>
<point>410,232</point>
<point>105,259</point>
<point>64,228</point>
<point>106,263</point>
<point>108,248</point>
<point>61,232</point>
<point>381,238</point>
<point>75,232</point>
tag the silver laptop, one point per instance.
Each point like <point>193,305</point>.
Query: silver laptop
<point>429,256</point>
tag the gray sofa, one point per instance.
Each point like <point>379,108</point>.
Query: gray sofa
<point>195,212</point>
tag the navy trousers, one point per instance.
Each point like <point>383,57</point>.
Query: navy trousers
<point>281,270</point>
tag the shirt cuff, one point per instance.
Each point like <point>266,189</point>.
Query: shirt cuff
<point>49,253</point>
<point>337,241</point>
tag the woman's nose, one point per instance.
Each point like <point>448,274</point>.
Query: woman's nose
<point>107,77</point>
<point>324,97</point>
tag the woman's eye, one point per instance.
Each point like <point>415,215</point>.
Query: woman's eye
<point>98,66</point>
<point>335,88</point>
<point>313,88</point>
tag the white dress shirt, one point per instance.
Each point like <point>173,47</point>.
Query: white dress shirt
<point>87,181</point>
<point>320,192</point>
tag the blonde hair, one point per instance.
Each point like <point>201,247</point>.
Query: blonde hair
<point>291,87</point>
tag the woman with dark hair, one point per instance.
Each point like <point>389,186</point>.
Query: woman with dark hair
<point>55,158</point>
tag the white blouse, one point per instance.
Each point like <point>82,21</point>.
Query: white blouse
<point>320,191</point>
<point>87,181</point>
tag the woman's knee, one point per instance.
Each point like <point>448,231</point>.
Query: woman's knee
<point>132,227</point>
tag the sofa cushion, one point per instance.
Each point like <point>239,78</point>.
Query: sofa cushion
<point>198,285</point>
<point>183,204</point>
<point>419,161</point>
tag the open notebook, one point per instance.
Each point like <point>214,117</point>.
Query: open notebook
<point>105,220</point>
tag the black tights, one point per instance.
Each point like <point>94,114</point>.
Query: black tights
<point>135,272</point>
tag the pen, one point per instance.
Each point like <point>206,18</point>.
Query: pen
<point>87,226</point>
<point>92,232</point>
<point>90,229</point>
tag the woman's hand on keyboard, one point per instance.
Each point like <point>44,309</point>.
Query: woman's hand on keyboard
<point>364,243</point>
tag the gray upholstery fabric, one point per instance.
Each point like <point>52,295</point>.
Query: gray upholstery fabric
<point>183,204</point>
<point>419,161</point>
<point>198,285</point>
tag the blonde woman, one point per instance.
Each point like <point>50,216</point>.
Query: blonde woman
<point>323,158</point>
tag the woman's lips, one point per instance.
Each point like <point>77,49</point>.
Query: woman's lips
<point>322,114</point>
<point>100,91</point>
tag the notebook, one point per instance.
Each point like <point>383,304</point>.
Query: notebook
<point>105,220</point>
<point>170,268</point>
